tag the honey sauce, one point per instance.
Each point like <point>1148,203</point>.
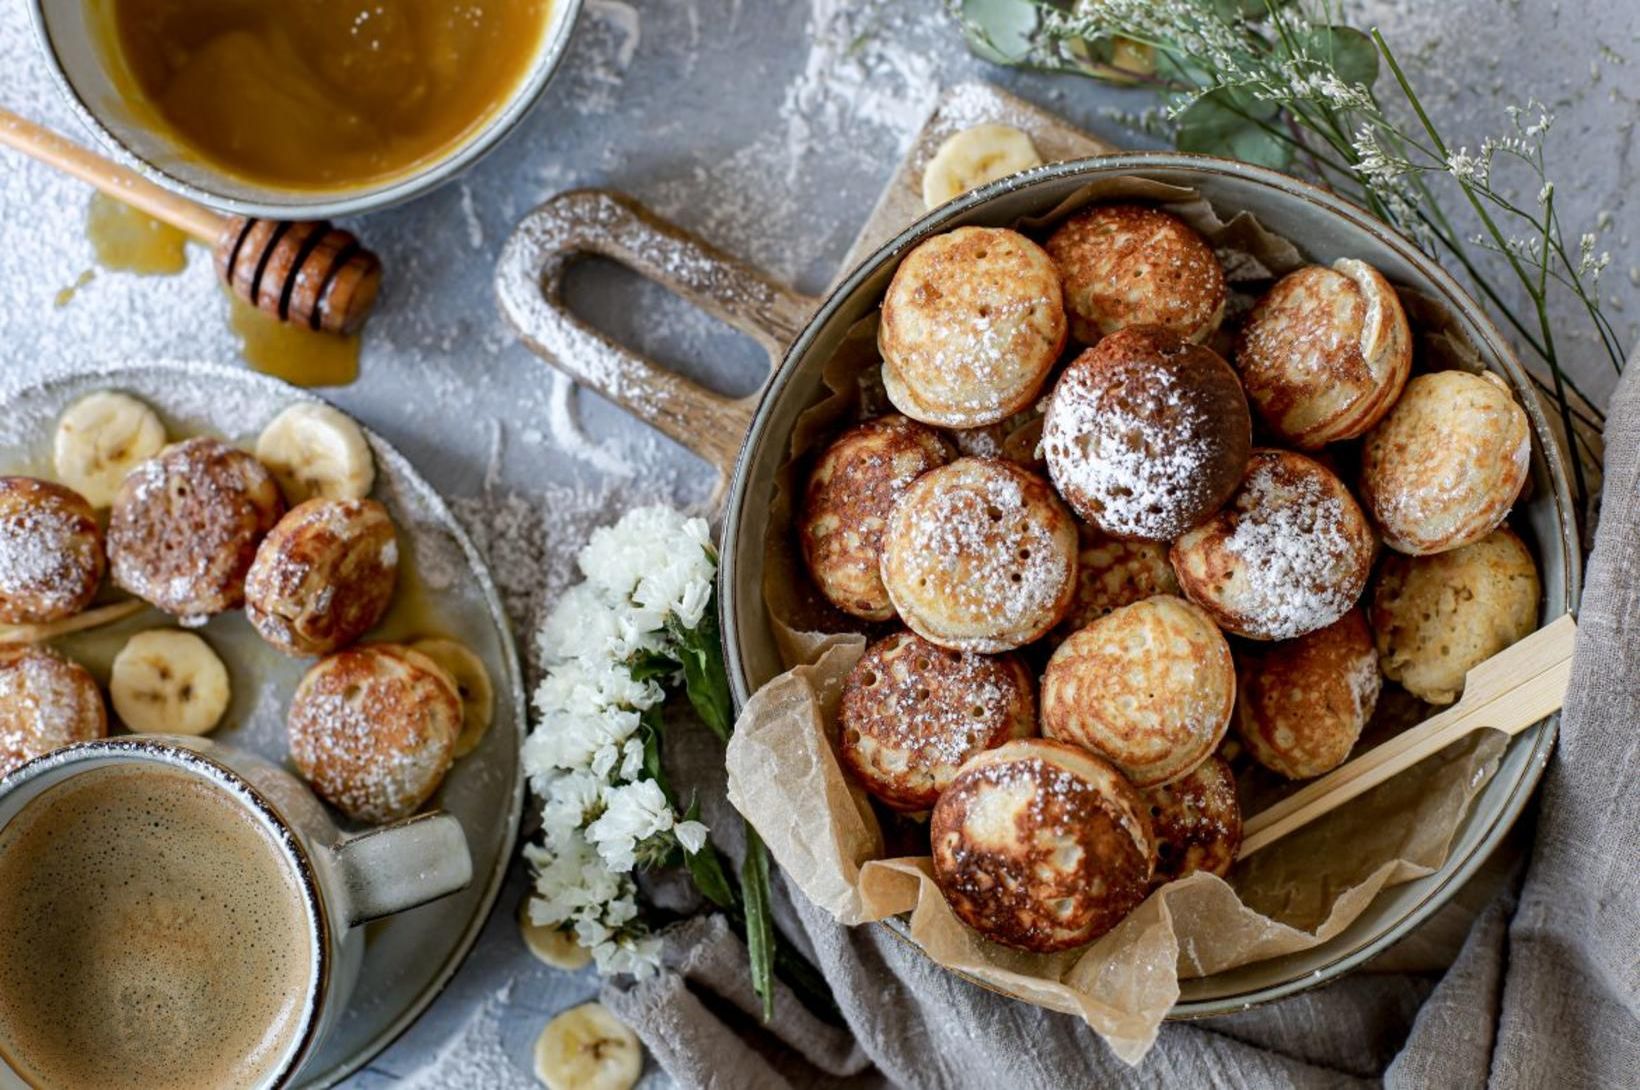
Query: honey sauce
<point>283,350</point>
<point>131,241</point>
<point>320,94</point>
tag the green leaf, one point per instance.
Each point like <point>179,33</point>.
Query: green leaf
<point>652,666</point>
<point>1216,124</point>
<point>705,679</point>
<point>651,724</point>
<point>706,867</point>
<point>1353,57</point>
<point>999,31</point>
<point>754,877</point>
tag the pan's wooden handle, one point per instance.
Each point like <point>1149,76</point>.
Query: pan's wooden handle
<point>529,283</point>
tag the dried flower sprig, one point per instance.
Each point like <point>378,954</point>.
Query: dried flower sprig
<point>1287,85</point>
<point>641,621</point>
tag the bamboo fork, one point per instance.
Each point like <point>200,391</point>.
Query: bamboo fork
<point>91,618</point>
<point>1508,692</point>
<point>306,273</point>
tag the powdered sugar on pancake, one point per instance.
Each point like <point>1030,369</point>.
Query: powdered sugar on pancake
<point>1138,454</point>
<point>980,556</point>
<point>1289,555</point>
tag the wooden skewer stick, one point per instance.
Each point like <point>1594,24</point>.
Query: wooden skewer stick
<point>1508,692</point>
<point>306,273</point>
<point>91,618</point>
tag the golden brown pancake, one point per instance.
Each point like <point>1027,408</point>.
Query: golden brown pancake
<point>846,505</point>
<point>1304,701</point>
<point>1112,573</point>
<point>972,324</point>
<point>373,728</point>
<point>1325,353</point>
<point>51,551</point>
<point>1447,463</point>
<point>1437,617</point>
<point>1150,687</point>
<point>47,702</point>
<point>323,576</point>
<point>1041,846</point>
<point>980,556</point>
<point>1197,821</point>
<point>1290,553</point>
<point>1130,264</point>
<point>186,523</point>
<point>913,712</point>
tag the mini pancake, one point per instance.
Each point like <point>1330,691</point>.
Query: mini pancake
<point>980,555</point>
<point>1437,617</point>
<point>850,494</point>
<point>51,551</point>
<point>1112,573</point>
<point>185,526</point>
<point>913,712</point>
<point>373,730</point>
<point>1447,463</point>
<point>1129,264</point>
<point>972,325</point>
<point>1147,434</point>
<point>1197,821</point>
<point>47,701</point>
<point>1290,553</point>
<point>1303,702</point>
<point>1041,846</point>
<point>1149,687</point>
<point>1325,353</point>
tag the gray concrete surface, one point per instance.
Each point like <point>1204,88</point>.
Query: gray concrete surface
<point>771,127</point>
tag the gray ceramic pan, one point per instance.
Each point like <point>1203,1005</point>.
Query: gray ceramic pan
<point>746,438</point>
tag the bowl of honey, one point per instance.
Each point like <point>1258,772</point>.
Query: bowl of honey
<point>303,108</point>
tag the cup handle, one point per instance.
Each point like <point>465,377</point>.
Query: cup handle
<point>402,865</point>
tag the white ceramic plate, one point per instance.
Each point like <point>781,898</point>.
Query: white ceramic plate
<point>444,589</point>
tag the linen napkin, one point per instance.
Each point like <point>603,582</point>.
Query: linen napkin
<point>1543,988</point>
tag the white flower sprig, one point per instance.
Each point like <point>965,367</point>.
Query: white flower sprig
<point>592,757</point>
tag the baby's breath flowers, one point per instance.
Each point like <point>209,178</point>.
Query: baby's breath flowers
<point>1283,84</point>
<point>641,620</point>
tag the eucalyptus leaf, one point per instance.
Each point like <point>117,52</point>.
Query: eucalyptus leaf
<point>1353,56</point>
<point>1215,125</point>
<point>999,31</point>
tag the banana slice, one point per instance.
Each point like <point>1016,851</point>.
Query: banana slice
<point>972,157</point>
<point>551,945</point>
<point>586,1048</point>
<point>100,439</point>
<point>315,450</point>
<point>166,681</point>
<point>472,685</point>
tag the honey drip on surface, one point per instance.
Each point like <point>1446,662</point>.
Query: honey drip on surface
<point>127,240</point>
<point>285,351</point>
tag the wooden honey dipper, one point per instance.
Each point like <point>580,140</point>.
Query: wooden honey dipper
<point>307,273</point>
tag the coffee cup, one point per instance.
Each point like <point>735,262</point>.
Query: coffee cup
<point>205,896</point>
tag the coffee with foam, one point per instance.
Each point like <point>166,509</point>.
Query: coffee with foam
<point>152,933</point>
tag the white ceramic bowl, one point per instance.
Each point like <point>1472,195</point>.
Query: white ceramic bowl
<point>69,42</point>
